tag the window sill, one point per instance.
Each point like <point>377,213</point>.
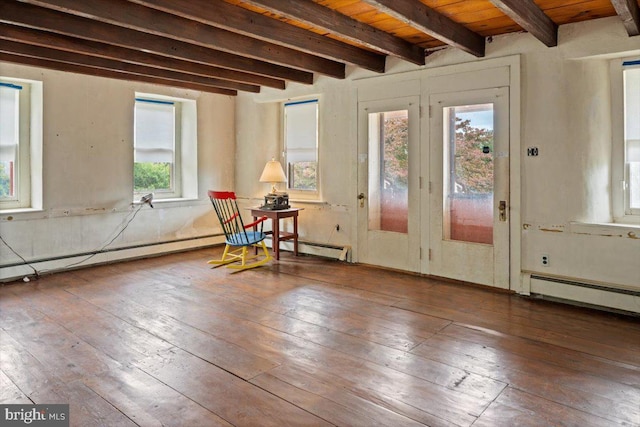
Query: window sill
<point>631,231</point>
<point>22,213</point>
<point>632,220</point>
<point>18,210</point>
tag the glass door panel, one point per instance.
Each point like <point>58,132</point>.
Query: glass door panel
<point>468,173</point>
<point>388,197</point>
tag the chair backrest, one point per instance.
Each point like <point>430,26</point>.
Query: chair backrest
<point>226,207</point>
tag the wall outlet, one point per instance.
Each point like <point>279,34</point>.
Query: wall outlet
<point>545,260</point>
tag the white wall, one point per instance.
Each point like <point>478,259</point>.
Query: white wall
<point>88,170</point>
<point>258,140</point>
<point>565,112</point>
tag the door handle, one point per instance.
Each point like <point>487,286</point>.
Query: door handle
<point>361,197</point>
<point>502,207</point>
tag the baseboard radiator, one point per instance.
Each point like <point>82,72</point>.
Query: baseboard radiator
<point>340,252</point>
<point>592,294</point>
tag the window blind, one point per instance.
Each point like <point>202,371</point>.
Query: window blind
<point>9,121</point>
<point>632,113</point>
<point>155,131</point>
<point>301,130</point>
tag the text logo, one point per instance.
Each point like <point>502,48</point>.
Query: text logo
<point>55,415</point>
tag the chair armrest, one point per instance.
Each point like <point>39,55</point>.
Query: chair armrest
<point>256,222</point>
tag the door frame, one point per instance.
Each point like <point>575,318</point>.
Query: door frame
<point>386,248</point>
<point>486,264</point>
<point>486,74</point>
<point>425,82</point>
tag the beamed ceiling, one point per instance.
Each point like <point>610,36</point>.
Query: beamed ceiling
<point>229,46</point>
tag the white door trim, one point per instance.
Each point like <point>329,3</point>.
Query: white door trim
<point>416,82</point>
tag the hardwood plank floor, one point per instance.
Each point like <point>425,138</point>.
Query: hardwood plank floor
<point>308,341</point>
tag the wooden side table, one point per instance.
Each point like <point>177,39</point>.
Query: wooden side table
<point>277,235</point>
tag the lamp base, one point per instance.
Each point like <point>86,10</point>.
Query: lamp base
<point>276,201</point>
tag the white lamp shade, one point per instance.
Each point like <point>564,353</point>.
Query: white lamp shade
<point>273,172</point>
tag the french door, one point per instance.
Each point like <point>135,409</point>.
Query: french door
<point>469,186</point>
<point>388,183</point>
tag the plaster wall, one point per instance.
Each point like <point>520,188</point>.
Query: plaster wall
<point>258,139</point>
<point>88,170</point>
<point>565,111</point>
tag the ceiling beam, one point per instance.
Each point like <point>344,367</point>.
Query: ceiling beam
<point>135,17</point>
<point>80,69</point>
<point>629,12</point>
<point>427,20</point>
<point>318,16</point>
<point>87,47</point>
<point>39,18</point>
<point>531,18</point>
<point>242,21</point>
<point>110,64</point>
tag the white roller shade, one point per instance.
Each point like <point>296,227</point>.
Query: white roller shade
<point>633,151</point>
<point>632,113</point>
<point>155,131</point>
<point>9,122</point>
<point>301,130</point>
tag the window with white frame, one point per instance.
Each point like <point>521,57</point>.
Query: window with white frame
<point>625,85</point>
<point>301,145</point>
<point>157,147</point>
<point>631,83</point>
<point>15,159</point>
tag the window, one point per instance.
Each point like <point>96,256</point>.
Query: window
<point>625,85</point>
<point>165,147</point>
<point>301,145</point>
<point>631,82</point>
<point>156,166</point>
<point>9,140</point>
<point>20,144</point>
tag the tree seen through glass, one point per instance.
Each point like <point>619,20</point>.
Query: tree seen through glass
<point>473,158</point>
<point>6,187</point>
<point>151,176</point>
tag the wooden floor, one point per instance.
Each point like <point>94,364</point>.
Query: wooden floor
<point>308,342</point>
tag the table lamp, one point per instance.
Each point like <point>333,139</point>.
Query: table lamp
<point>273,173</point>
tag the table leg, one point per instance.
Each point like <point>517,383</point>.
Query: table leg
<point>276,237</point>
<point>295,235</point>
<point>255,228</point>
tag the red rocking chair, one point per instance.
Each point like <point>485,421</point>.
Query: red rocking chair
<point>237,234</point>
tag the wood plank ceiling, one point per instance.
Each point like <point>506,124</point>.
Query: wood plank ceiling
<point>229,46</point>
